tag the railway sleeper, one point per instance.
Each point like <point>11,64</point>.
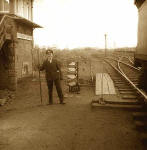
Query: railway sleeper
<point>135,82</point>
<point>125,89</point>
<point>117,106</point>
<point>140,115</point>
<point>116,79</point>
<point>126,92</point>
<point>143,138</point>
<point>144,103</point>
<point>122,86</point>
<point>123,102</point>
<point>129,97</point>
<point>118,82</point>
<point>143,107</point>
<point>133,78</point>
<point>141,125</point>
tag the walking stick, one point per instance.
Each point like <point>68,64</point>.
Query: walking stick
<point>39,77</point>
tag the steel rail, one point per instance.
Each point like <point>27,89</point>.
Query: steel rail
<point>130,82</point>
<point>125,63</point>
<point>128,64</point>
<point>130,60</point>
<point>127,57</point>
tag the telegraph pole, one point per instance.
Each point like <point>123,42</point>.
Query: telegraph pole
<point>105,43</point>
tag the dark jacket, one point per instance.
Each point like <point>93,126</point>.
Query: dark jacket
<point>53,70</point>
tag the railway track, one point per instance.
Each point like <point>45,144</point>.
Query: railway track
<point>125,78</point>
<point>127,59</point>
<point>128,94</point>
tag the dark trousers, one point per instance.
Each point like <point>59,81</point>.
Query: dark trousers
<point>58,88</point>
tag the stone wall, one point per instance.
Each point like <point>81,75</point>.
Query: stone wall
<point>16,55</point>
<point>23,52</point>
<point>23,58</point>
<point>7,67</point>
<point>7,54</point>
<point>3,74</point>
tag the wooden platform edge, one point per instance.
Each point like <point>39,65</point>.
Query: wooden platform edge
<point>132,107</point>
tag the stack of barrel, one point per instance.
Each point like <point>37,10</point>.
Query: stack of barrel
<point>72,77</point>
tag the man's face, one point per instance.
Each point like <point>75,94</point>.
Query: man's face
<point>49,55</point>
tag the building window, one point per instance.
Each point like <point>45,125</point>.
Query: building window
<point>4,5</point>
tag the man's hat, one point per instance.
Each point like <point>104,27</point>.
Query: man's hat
<point>49,51</point>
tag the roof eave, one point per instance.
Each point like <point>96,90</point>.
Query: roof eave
<point>22,20</point>
<point>138,3</point>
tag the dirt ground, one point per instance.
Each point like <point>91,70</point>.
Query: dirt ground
<point>27,125</point>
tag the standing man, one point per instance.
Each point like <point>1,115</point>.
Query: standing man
<point>53,75</point>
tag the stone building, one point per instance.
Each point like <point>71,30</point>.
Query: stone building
<point>16,41</point>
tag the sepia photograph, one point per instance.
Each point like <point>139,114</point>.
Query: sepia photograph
<point>73,74</point>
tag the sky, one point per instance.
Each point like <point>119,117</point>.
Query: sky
<point>83,23</point>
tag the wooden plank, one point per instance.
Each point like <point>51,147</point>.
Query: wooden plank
<point>104,84</point>
<point>110,84</point>
<point>71,76</point>
<point>72,69</point>
<point>129,107</point>
<point>124,102</point>
<point>72,83</point>
<point>72,64</point>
